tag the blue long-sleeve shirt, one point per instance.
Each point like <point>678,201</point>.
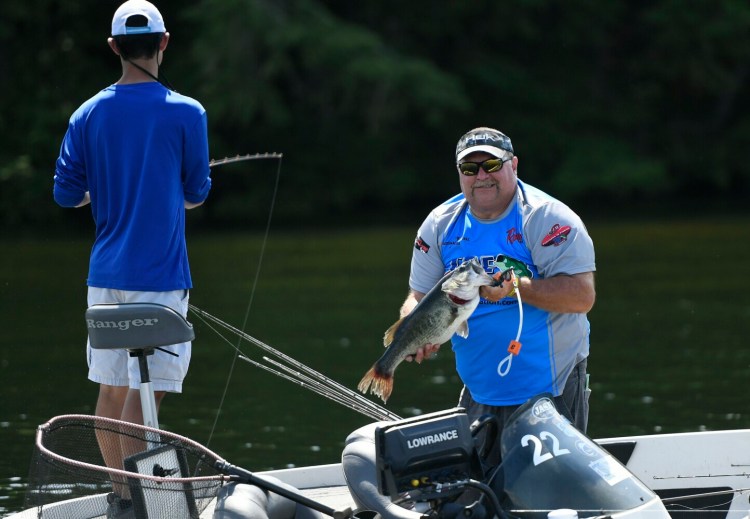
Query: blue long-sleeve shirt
<point>141,151</point>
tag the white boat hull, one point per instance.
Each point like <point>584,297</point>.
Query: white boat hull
<point>713,462</point>
<point>691,463</point>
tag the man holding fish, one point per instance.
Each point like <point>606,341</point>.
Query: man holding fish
<point>506,354</point>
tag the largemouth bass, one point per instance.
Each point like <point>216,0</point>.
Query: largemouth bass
<point>442,312</point>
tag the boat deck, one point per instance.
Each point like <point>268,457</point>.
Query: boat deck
<point>328,484</point>
<point>337,497</point>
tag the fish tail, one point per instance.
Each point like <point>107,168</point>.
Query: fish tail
<point>378,384</point>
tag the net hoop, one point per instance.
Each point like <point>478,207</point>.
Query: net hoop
<point>97,420</point>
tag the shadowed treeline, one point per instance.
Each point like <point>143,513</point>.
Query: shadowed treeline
<point>607,103</point>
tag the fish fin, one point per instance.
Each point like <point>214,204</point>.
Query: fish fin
<point>380,385</point>
<point>364,384</point>
<point>463,329</point>
<point>384,388</point>
<point>390,333</point>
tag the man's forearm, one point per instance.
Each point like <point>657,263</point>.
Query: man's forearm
<point>411,301</point>
<point>560,294</point>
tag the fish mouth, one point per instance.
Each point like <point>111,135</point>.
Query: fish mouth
<point>479,276</point>
<point>476,266</point>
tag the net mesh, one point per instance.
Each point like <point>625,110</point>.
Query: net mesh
<point>148,473</point>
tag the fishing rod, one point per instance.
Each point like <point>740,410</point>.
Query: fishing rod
<point>317,388</point>
<point>229,160</point>
<point>241,158</point>
<point>686,497</point>
<point>671,502</point>
<point>309,378</point>
<point>341,394</point>
<point>299,373</point>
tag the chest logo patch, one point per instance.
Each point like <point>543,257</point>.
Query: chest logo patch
<point>514,236</point>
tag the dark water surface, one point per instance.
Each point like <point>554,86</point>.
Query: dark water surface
<point>669,338</point>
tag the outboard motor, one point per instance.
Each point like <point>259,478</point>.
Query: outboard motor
<point>547,464</point>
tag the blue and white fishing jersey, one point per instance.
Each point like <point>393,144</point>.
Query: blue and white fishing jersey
<point>141,151</point>
<point>539,237</point>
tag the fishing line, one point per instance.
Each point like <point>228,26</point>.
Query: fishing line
<point>677,507</point>
<point>514,348</point>
<point>278,157</point>
<point>520,307</point>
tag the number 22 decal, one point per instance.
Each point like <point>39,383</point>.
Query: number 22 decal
<point>540,458</point>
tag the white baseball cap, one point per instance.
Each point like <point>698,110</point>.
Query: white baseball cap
<point>154,21</point>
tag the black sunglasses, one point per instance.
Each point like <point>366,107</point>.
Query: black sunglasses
<point>489,166</point>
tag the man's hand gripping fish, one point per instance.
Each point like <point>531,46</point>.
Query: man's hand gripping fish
<point>442,312</point>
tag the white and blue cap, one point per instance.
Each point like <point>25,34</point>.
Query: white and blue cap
<point>488,140</point>
<point>154,21</point>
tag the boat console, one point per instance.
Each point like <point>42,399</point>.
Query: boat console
<point>424,453</point>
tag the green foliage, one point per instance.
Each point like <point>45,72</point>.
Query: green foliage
<point>367,99</point>
<point>334,96</point>
<point>609,168</point>
<point>262,63</point>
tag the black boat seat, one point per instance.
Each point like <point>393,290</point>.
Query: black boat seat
<point>136,326</point>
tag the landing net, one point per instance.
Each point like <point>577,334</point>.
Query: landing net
<point>163,474</point>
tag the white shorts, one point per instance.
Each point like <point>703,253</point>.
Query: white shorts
<point>118,368</point>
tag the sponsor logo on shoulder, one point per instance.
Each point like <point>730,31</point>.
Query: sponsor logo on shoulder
<point>421,245</point>
<point>557,235</point>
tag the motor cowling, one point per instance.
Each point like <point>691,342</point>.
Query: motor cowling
<point>548,464</point>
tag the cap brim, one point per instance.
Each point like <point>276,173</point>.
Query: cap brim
<point>492,150</point>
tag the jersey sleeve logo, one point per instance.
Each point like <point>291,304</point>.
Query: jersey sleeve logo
<point>421,245</point>
<point>557,235</point>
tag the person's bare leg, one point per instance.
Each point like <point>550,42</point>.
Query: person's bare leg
<point>120,403</point>
<point>133,412</point>
<point>110,404</point>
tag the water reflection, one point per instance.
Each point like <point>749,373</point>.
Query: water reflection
<point>668,352</point>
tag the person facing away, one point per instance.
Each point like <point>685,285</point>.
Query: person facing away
<point>506,223</point>
<point>138,153</point>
